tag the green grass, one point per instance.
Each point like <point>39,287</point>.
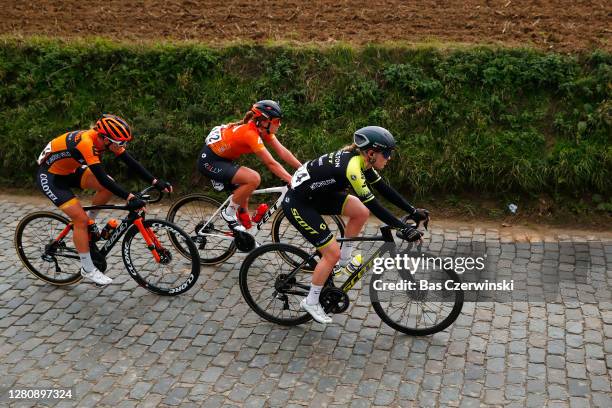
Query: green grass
<point>468,119</point>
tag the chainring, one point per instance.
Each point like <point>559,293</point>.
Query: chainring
<point>334,300</point>
<point>244,241</point>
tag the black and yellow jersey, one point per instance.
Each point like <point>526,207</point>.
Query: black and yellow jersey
<point>335,172</point>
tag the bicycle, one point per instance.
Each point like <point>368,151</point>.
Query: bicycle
<point>200,216</point>
<point>45,247</point>
<point>274,290</point>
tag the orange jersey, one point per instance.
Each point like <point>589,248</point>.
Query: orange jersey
<point>66,153</point>
<point>232,141</point>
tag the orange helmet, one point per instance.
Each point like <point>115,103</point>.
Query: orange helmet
<point>114,128</point>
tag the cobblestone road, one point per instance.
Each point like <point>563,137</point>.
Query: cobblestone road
<point>122,346</point>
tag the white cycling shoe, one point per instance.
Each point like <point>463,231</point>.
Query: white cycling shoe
<point>316,311</point>
<point>232,221</point>
<point>96,276</point>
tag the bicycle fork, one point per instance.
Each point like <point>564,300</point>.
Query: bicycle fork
<point>150,238</point>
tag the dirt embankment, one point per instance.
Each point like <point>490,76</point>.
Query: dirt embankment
<point>562,25</point>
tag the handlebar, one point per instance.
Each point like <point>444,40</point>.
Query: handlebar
<point>142,195</point>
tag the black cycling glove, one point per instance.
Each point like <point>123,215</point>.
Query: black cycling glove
<point>409,234</point>
<point>136,203</point>
<point>162,185</point>
<point>420,214</point>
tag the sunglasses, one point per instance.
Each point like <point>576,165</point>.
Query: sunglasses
<point>387,154</point>
<point>121,143</point>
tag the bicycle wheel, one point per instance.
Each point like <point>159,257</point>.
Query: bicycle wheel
<point>191,212</point>
<point>52,261</point>
<point>416,311</point>
<point>173,274</point>
<point>264,284</point>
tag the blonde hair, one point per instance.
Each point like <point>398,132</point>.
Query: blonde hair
<point>351,148</point>
<point>247,117</point>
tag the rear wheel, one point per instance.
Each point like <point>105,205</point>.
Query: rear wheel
<point>212,237</point>
<point>267,288</point>
<point>49,259</point>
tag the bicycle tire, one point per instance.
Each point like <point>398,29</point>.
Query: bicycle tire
<point>65,248</point>
<point>250,268</point>
<point>188,271</point>
<point>177,214</point>
<point>414,331</point>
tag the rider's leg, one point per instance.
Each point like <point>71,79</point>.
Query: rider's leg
<point>330,254</point>
<point>102,195</point>
<point>80,237</point>
<point>357,214</point>
<point>248,180</point>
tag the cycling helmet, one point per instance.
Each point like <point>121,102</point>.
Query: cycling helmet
<point>114,128</point>
<point>374,137</point>
<point>267,109</point>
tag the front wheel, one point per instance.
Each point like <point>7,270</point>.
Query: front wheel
<point>171,274</point>
<point>195,214</point>
<point>274,279</point>
<point>430,306</point>
<point>48,258</point>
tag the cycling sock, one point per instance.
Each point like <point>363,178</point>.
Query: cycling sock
<point>92,214</point>
<point>86,261</point>
<point>231,208</point>
<point>346,253</point>
<point>313,295</point>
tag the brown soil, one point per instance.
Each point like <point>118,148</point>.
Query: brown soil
<point>562,25</point>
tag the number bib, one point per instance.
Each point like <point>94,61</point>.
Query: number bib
<point>300,176</point>
<point>43,155</point>
<point>214,136</point>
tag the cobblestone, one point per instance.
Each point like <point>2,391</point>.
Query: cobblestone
<point>123,346</point>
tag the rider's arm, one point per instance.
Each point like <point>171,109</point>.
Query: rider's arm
<point>107,182</point>
<point>388,192</point>
<point>274,166</point>
<point>284,153</point>
<point>358,181</point>
<point>135,166</point>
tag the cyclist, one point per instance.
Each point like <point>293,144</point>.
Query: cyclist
<point>226,143</point>
<point>72,160</point>
<point>319,187</point>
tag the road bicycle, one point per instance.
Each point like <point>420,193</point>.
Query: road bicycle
<point>274,278</point>
<point>44,244</point>
<point>200,216</point>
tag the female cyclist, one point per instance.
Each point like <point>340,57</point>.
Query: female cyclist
<point>72,160</point>
<point>225,143</point>
<point>319,187</point>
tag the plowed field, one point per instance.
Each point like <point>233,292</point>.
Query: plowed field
<point>563,25</point>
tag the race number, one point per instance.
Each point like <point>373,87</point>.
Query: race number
<point>214,136</point>
<point>300,176</point>
<point>43,155</point>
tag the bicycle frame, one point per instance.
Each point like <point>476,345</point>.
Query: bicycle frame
<point>387,247</point>
<point>271,210</point>
<point>132,218</point>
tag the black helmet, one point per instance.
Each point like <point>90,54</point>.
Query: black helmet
<point>268,109</point>
<point>374,137</point>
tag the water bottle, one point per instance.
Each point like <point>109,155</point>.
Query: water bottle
<point>108,229</point>
<point>355,264</point>
<point>93,230</point>
<point>244,218</point>
<point>259,213</point>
